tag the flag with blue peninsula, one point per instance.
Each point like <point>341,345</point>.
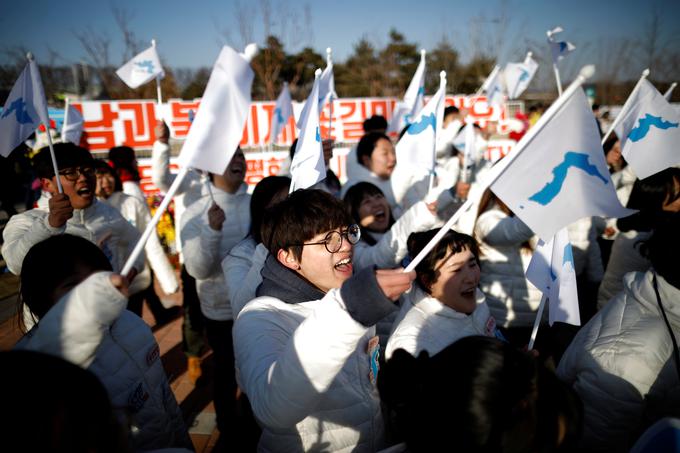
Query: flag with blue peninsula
<point>308,166</point>
<point>518,76</point>
<point>142,68</point>
<point>24,109</point>
<point>649,132</point>
<point>558,49</point>
<point>561,175</point>
<point>282,112</point>
<point>408,108</point>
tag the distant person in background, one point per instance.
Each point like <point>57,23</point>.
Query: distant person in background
<point>124,162</point>
<point>375,123</point>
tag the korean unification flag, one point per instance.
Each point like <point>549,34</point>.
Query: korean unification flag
<point>308,167</point>
<point>24,109</point>
<point>494,87</point>
<point>218,125</point>
<point>561,175</point>
<point>518,76</point>
<point>282,112</point>
<point>72,129</point>
<point>649,132</point>
<point>559,49</point>
<point>143,68</point>
<point>407,109</point>
<point>551,270</point>
<point>326,93</point>
<point>416,149</point>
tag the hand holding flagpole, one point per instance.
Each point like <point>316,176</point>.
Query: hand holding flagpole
<point>626,106</point>
<point>498,169</point>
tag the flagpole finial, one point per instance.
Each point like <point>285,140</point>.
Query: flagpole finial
<point>317,73</point>
<point>329,55</point>
<point>250,51</point>
<point>645,73</point>
<point>442,78</point>
<point>423,52</point>
<point>587,72</point>
<point>153,43</point>
<point>29,56</point>
<point>530,54</point>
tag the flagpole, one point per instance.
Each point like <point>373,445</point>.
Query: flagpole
<point>150,227</point>
<point>442,86</point>
<point>497,170</point>
<point>557,79</point>
<point>527,59</point>
<point>626,105</point>
<point>55,167</point>
<point>537,322</point>
<point>329,61</point>
<point>65,122</point>
<point>158,84</point>
<point>669,91</point>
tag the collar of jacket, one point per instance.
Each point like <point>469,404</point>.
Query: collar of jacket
<point>431,305</point>
<point>285,284</point>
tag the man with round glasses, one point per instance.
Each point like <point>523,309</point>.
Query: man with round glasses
<point>306,348</point>
<point>75,211</point>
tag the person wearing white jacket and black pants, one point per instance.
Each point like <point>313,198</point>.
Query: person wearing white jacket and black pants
<point>306,350</point>
<point>211,227</point>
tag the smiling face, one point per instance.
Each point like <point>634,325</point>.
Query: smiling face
<point>374,213</point>
<point>382,160</point>
<point>106,184</point>
<point>457,280</point>
<point>236,170</point>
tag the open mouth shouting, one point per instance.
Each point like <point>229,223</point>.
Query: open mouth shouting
<point>344,265</point>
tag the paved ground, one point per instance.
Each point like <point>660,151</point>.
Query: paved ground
<point>195,401</point>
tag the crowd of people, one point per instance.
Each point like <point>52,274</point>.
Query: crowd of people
<point>320,340</point>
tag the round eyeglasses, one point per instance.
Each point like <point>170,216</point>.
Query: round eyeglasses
<point>333,240</point>
<point>72,174</point>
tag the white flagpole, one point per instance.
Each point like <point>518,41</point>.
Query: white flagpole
<point>528,57</point>
<point>55,167</point>
<point>442,86</point>
<point>626,106</point>
<point>329,61</point>
<point>498,169</point>
<point>158,83</point>
<point>537,322</point>
<point>557,79</point>
<point>150,227</point>
<point>669,91</point>
<point>65,122</point>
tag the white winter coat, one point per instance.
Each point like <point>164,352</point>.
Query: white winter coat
<point>293,357</point>
<point>99,223</point>
<point>90,327</point>
<point>425,324</point>
<point>621,363</point>
<point>241,269</point>
<point>204,248</point>
<point>625,257</point>
<point>137,213</point>
<point>362,174</point>
<point>512,299</point>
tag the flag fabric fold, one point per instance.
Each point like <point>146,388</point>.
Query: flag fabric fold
<point>308,166</point>
<point>142,68</point>
<point>24,109</point>
<point>282,112</point>
<point>569,176</point>
<point>551,270</point>
<point>518,76</point>
<point>413,102</point>
<point>218,125</point>
<point>649,132</point>
<point>72,129</point>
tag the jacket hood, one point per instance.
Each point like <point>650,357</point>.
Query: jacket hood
<point>286,285</point>
<point>639,286</point>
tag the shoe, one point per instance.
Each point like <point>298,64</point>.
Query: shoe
<point>194,369</point>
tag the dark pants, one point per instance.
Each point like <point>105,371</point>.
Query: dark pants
<point>224,393</point>
<point>194,321</point>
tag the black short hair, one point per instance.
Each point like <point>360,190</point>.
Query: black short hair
<point>262,196</point>
<point>452,241</point>
<point>68,155</point>
<point>375,123</point>
<point>353,198</point>
<point>663,247</point>
<point>300,217</point>
<point>124,158</point>
<point>450,110</point>
<point>367,145</point>
<point>648,196</point>
<point>101,167</point>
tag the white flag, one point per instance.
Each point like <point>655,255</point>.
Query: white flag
<point>518,76</point>
<point>24,109</point>
<point>649,132</point>
<point>559,49</point>
<point>143,68</point>
<point>72,129</point>
<point>494,87</point>
<point>470,151</point>
<point>326,92</point>
<point>561,175</point>
<point>416,149</point>
<point>282,112</point>
<point>551,270</point>
<point>407,109</point>
<point>308,167</point>
<point>218,126</point>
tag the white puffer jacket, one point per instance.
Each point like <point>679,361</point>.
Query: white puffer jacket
<point>625,257</point>
<point>425,324</point>
<point>241,269</point>
<point>90,327</point>
<point>137,213</point>
<point>99,223</point>
<point>621,363</point>
<point>204,248</point>
<point>512,299</point>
